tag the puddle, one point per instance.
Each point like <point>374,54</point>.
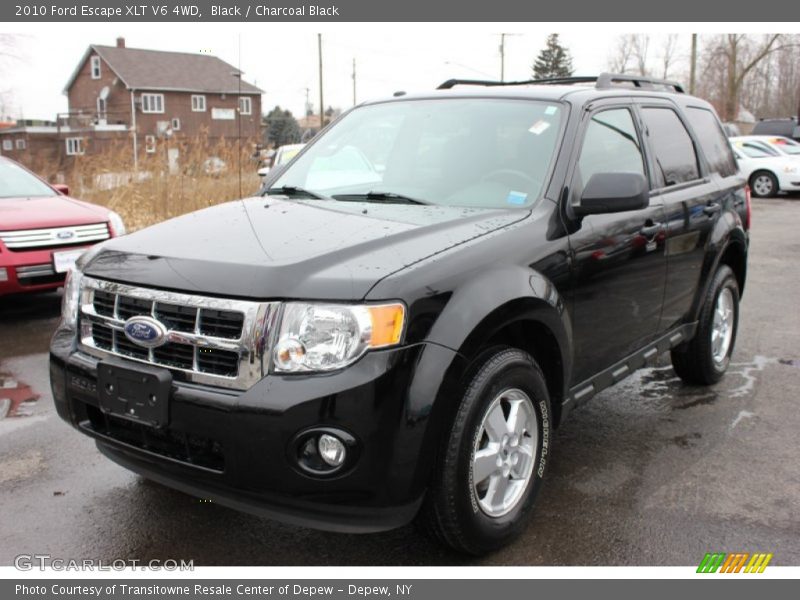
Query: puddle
<point>688,440</point>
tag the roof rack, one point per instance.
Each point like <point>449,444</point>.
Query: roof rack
<point>603,81</point>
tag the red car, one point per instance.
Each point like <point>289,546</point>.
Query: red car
<point>43,230</point>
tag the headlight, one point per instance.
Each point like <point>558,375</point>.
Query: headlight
<point>325,337</point>
<point>117,224</point>
<point>71,301</point>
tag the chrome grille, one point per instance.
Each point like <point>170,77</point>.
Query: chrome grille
<point>209,340</point>
<point>56,236</point>
<point>30,271</point>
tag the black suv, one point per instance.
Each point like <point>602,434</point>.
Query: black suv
<point>399,322</point>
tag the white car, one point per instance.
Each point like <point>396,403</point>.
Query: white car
<point>785,146</point>
<point>282,156</point>
<point>767,170</point>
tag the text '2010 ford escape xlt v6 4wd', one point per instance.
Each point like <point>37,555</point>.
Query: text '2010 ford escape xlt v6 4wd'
<point>398,323</point>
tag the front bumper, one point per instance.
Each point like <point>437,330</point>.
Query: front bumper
<point>31,271</point>
<point>234,447</point>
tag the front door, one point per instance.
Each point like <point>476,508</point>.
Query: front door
<point>619,264</point>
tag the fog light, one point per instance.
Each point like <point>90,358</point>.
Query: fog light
<point>3,274</point>
<point>331,450</point>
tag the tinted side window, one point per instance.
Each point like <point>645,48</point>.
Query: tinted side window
<point>712,140</point>
<point>676,161</point>
<point>611,145</point>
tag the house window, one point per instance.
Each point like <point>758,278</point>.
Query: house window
<point>176,124</point>
<point>245,105</point>
<point>20,144</point>
<point>198,103</point>
<point>101,108</point>
<point>150,144</point>
<point>152,103</point>
<point>74,146</point>
<point>8,145</point>
<point>95,67</point>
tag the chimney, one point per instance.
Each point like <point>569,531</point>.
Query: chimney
<point>120,42</point>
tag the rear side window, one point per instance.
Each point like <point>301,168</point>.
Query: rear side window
<point>712,140</point>
<point>676,161</point>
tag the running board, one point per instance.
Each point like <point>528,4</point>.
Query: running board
<point>619,371</point>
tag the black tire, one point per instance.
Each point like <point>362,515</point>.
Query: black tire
<point>769,188</point>
<point>452,512</point>
<point>693,361</point>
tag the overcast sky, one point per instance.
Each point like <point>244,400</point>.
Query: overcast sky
<point>282,59</point>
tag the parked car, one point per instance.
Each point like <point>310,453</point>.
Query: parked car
<point>281,156</point>
<point>788,127</point>
<point>43,230</point>
<point>349,353</point>
<point>767,170</point>
<point>783,145</point>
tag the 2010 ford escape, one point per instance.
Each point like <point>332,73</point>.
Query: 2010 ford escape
<point>398,323</point>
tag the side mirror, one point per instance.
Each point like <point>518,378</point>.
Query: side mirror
<point>613,192</point>
<point>61,188</point>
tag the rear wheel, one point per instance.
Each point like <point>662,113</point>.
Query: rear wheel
<point>704,359</point>
<point>493,460</point>
<point>763,184</point>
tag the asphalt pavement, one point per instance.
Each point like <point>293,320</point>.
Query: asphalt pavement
<point>650,472</point>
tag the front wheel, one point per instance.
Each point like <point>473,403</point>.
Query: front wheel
<point>764,184</point>
<point>493,460</point>
<point>705,358</point>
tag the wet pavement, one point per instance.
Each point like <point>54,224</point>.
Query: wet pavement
<point>651,472</point>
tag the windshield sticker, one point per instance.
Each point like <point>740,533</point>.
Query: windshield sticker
<point>550,110</point>
<point>516,198</point>
<point>539,127</point>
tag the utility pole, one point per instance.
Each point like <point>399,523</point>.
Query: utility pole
<point>321,103</point>
<point>354,81</point>
<point>307,108</point>
<point>503,54</point>
<point>693,65</point>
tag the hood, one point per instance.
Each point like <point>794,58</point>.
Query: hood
<point>272,248</point>
<point>51,211</point>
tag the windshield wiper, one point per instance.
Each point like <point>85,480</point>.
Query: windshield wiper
<point>292,191</point>
<point>390,197</point>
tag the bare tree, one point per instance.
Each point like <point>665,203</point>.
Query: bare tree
<point>668,54</point>
<point>7,55</point>
<point>640,46</point>
<point>621,55</point>
<point>735,56</point>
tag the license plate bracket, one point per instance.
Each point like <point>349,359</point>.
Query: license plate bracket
<point>65,260</point>
<point>139,394</point>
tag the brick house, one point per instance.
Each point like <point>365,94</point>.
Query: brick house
<point>145,99</point>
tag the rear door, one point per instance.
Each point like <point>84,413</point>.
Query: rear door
<point>691,195</point>
<point>619,265</point>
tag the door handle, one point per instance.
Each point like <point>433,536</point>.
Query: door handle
<point>712,208</point>
<point>649,231</point>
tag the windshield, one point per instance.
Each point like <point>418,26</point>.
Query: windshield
<point>756,150</point>
<point>16,182</point>
<point>488,153</point>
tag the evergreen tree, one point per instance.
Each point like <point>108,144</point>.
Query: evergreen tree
<point>553,61</point>
<point>281,127</point>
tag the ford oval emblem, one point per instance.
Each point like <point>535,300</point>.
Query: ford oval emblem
<point>65,235</point>
<point>145,331</point>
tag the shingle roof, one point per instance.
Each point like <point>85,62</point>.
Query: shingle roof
<point>169,71</point>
